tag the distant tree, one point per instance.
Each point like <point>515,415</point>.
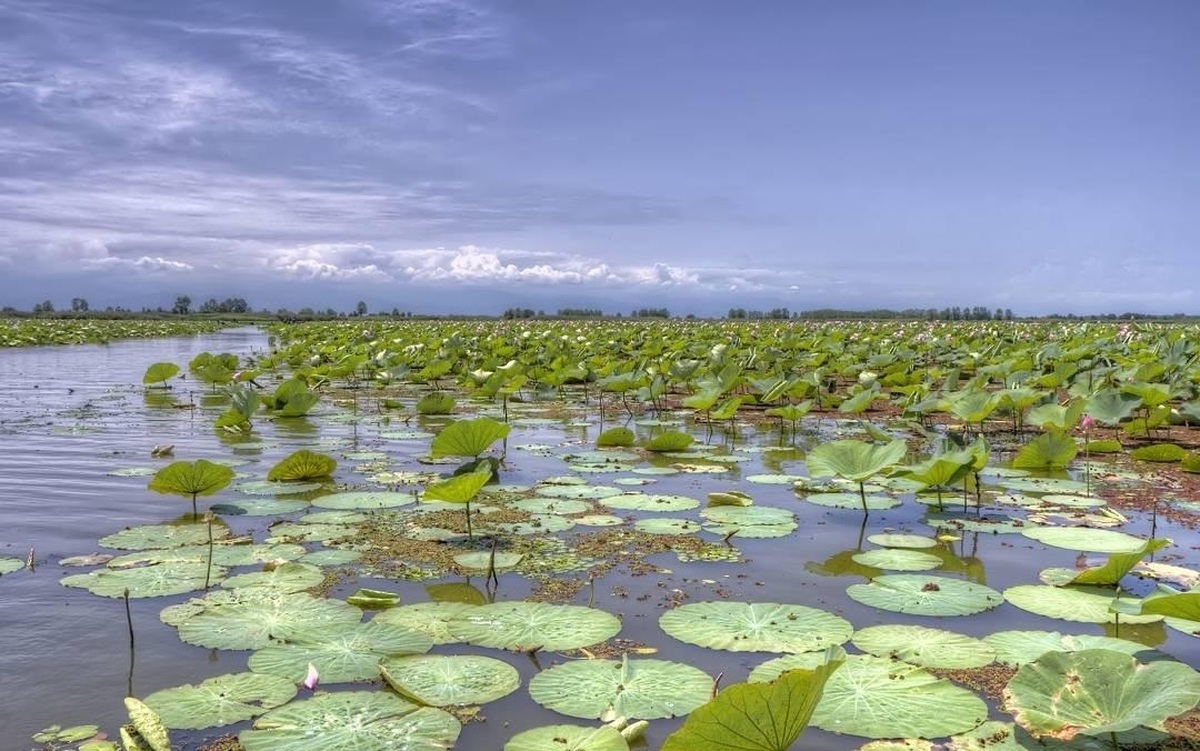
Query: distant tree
<point>360,309</point>
<point>183,305</point>
<point>79,305</point>
<point>44,307</point>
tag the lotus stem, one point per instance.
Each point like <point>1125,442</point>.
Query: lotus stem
<point>862,493</point>
<point>491,573</point>
<point>208,518</point>
<point>470,536</point>
<point>591,591</point>
<point>1112,736</point>
<point>129,623</point>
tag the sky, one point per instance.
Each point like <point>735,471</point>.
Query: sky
<point>467,156</point>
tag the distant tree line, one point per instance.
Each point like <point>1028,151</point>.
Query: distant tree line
<point>775,314</point>
<point>651,313</point>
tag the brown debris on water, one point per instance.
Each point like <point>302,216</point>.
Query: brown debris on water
<point>989,679</point>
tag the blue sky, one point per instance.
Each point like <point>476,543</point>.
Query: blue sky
<point>467,155</point>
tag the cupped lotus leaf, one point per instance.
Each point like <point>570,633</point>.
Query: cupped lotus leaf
<point>460,488</point>
<point>450,680</point>
<point>1051,450</point>
<point>288,577</point>
<point>1176,606</point>
<point>159,580</point>
<point>1076,603</point>
<point>730,498</point>
<point>619,436</point>
<point>853,460</point>
<point>632,687</point>
<point>219,701</point>
<point>528,625</point>
<point>922,594</point>
<point>268,487</point>
<point>898,559</point>
<point>926,647</point>
<point>1110,406</point>
<point>364,500</point>
<point>160,372</point>
<point>432,618</point>
<point>482,560</point>
<point>254,625</point>
<point>197,478</point>
<point>1017,648</point>
<point>669,440</point>
<point>258,507</point>
<point>373,599</point>
<point>649,502</point>
<point>902,540</point>
<point>880,698</point>
<point>756,716</point>
<point>1159,452</point>
<point>755,627</point>
<point>468,438</point>
<point>352,721</point>
<point>303,465</point>
<point>853,500</point>
<point>1097,692</point>
<point>149,726</point>
<point>1086,539</point>
<point>568,738</point>
<point>940,471</point>
<point>344,653</point>
<point>8,564</point>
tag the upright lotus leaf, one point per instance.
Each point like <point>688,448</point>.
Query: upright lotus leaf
<point>468,438</point>
<point>757,716</point>
<point>619,436</point>
<point>160,372</point>
<point>292,399</point>
<point>148,725</point>
<point>523,625</point>
<point>1110,406</point>
<point>1051,450</point>
<point>191,479</point>
<point>1170,604</point>
<point>606,689</point>
<point>755,627</point>
<point>352,721</point>
<point>303,465</point>
<point>219,701</point>
<point>854,460</point>
<point>940,472</point>
<point>1118,565</point>
<point>669,440</point>
<point>568,738</point>
<point>1057,417</point>
<point>1097,692</point>
<point>435,404</point>
<point>450,680</point>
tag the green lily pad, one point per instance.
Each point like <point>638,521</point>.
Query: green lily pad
<point>926,647</point>
<point>749,521</point>
<point>772,669</point>
<point>1097,692</point>
<point>331,557</point>
<point>376,499</point>
<point>1085,539</point>
<point>1016,648</point>
<point>526,625</point>
<point>923,594</point>
<point>352,721</point>
<point>8,564</point>
<point>150,536</point>
<point>647,502</point>
<point>900,540</point>
<point>254,625</point>
<point>219,701</point>
<point>898,559</point>
<point>599,520</point>
<point>552,505</point>
<point>258,507</point>
<point>273,487</point>
<point>482,560</point>
<point>450,680</point>
<point>568,738</point>
<point>289,577</point>
<point>1083,604</point>
<point>775,479</point>
<point>667,526</point>
<point>755,627</point>
<point>999,525</point>
<point>852,500</point>
<point>147,581</point>
<point>430,618</point>
<point>606,689</point>
<point>578,492</point>
<point>1071,500</point>
<point>344,653</point>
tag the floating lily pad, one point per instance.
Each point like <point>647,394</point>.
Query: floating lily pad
<point>365,500</point>
<point>552,505</point>
<point>592,492</point>
<point>898,559</point>
<point>273,487</point>
<point>647,689</point>
<point>147,581</point>
<point>772,669</point>
<point>219,701</point>
<point>254,625</point>
<point>1017,648</point>
<point>483,560</point>
<point>538,524</point>
<point>655,471</point>
<point>1044,485</point>
<point>749,521</point>
<point>8,564</point>
<point>258,507</point>
<point>161,536</point>
<point>1071,500</point>
<point>331,557</point>
<point>450,680</point>
<point>852,500</point>
<point>526,625</point>
<point>222,555</point>
<point>667,526</point>
<point>926,647</point>
<point>900,540</point>
<point>289,577</point>
<point>1075,603</point>
<point>599,520</point>
<point>1086,539</point>
<point>430,618</point>
<point>343,653</point>
<point>568,738</point>
<point>923,594</point>
<point>647,502</point>
<point>359,720</point>
<point>755,627</point>
<point>775,479</point>
<point>999,525</point>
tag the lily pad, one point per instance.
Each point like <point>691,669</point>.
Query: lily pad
<point>352,721</point>
<point>898,559</point>
<point>430,618</point>
<point>258,507</point>
<point>8,564</point>
<point>755,627</point>
<point>526,625</point>
<point>365,500</point>
<point>606,689</point>
<point>341,654</point>
<point>147,581</point>
<point>647,502</point>
<point>568,738</point>
<point>666,526</point>
<point>450,680</point>
<point>1017,648</point>
<point>271,487</point>
<point>1075,603</point>
<point>1086,539</point>
<point>592,492</point>
<point>852,500</point>
<point>150,536</point>
<point>289,577</point>
<point>749,521</point>
<point>254,625</point>
<point>219,701</point>
<point>923,594</point>
<point>901,540</point>
<point>926,647</point>
<point>552,505</point>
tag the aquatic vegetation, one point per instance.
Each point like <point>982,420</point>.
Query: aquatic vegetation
<point>854,460</point>
<point>192,479</point>
<point>160,373</point>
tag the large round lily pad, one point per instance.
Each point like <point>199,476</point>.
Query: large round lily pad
<point>256,624</point>
<point>430,618</point>
<point>568,738</point>
<point>755,627</point>
<point>352,721</point>
<point>902,540</point>
<point>365,500</point>
<point>1017,648</point>
<point>922,594</point>
<point>289,577</point>
<point>528,625</point>
<point>219,701</point>
<point>926,647</point>
<point>749,521</point>
<point>450,680</point>
<point>852,500</point>
<point>342,654</point>
<point>646,689</point>
<point>1086,539</point>
<point>649,502</point>
<point>8,564</point>
<point>881,698</point>
<point>1097,692</point>
<point>1075,603</point>
<point>147,581</point>
<point>162,536</point>
<point>898,559</point>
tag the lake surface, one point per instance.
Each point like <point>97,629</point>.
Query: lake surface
<point>71,416</point>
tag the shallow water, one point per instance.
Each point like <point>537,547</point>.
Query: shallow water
<point>71,415</point>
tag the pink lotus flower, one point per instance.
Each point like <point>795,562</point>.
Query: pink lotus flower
<point>312,679</point>
<point>1087,422</point>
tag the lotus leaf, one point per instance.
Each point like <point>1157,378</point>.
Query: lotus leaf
<point>147,724</point>
<point>730,498</point>
<point>1159,452</point>
<point>926,647</point>
<point>645,502</point>
<point>996,525</point>
<point>755,627</point>
<point>898,559</point>
<point>599,520</point>
<point>529,625</point>
<point>552,506</point>
<point>352,721</point>
<point>749,521</point>
<point>1070,500</point>
<point>669,440</point>
<point>364,500</point>
<point>900,540</point>
<point>267,487</point>
<point>1075,603</point>
<point>160,372</point>
<point>303,465</point>
<point>1086,539</point>
<point>853,460</point>
<point>853,500</point>
<point>482,560</point>
<point>756,716</point>
<point>222,700</point>
<point>1117,565</point>
<point>289,577</point>
<point>8,564</point>
<point>775,479</point>
<point>881,698</point>
<point>619,436</point>
<point>1177,606</point>
<point>147,581</point>
<point>331,557</point>
<point>606,689</point>
<point>342,653</point>
<point>458,489</point>
<point>772,669</point>
<point>258,507</point>
<point>664,526</point>
<point>432,618</point>
<point>577,491</point>
<point>568,738</point>
<point>919,594</point>
<point>1051,450</point>
<point>468,438</point>
<point>1017,648</point>
<point>191,479</point>
<point>256,624</point>
<point>373,599</point>
<point>450,680</point>
<point>1097,692</point>
<point>1111,406</point>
